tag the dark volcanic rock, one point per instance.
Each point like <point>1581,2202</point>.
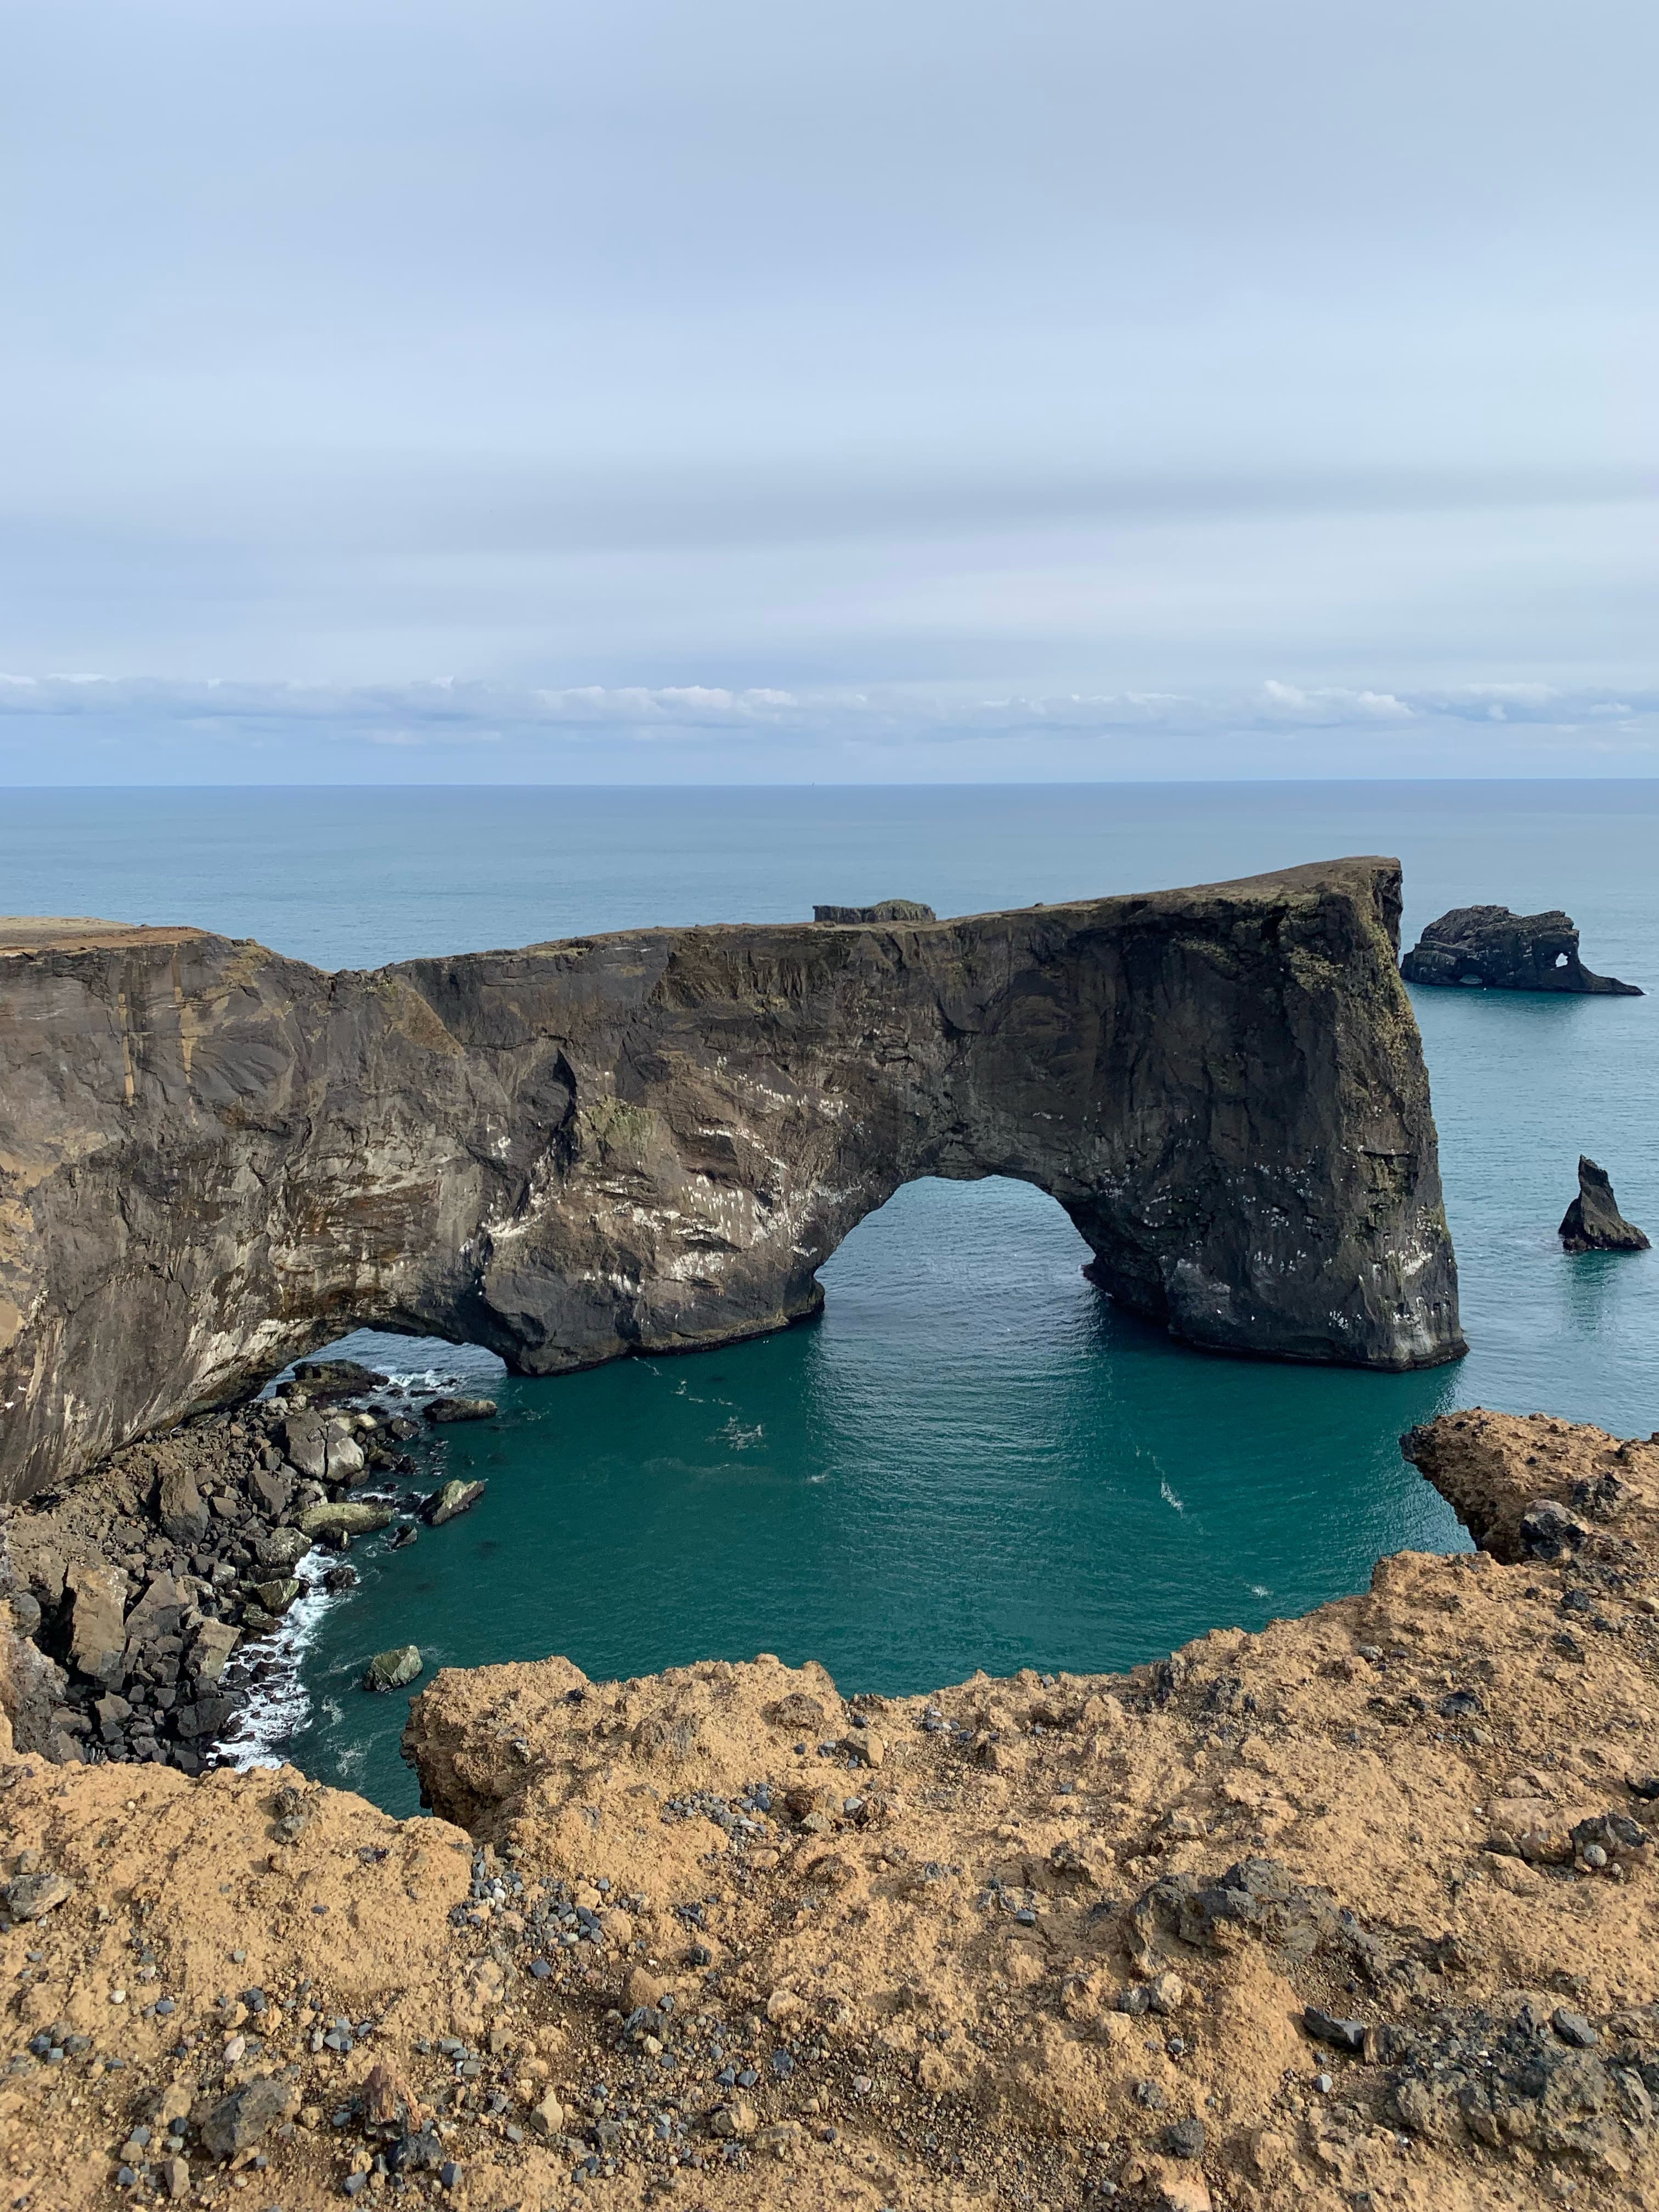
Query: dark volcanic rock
<point>1503,951</point>
<point>1593,1222</point>
<point>337,1378</point>
<point>884,910</point>
<point>460,1409</point>
<point>216,1159</point>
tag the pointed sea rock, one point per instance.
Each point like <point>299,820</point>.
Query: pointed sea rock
<point>1593,1222</point>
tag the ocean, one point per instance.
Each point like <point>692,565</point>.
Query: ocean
<point>971,1459</point>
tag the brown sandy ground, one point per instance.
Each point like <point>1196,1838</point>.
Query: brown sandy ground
<point>1032,1942</point>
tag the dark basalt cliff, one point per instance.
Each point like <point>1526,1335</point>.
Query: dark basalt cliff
<point>1499,950</point>
<point>213,1158</point>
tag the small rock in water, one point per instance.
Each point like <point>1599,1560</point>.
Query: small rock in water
<point>391,1670</point>
<point>1593,1222</point>
<point>453,1498</point>
<point>338,1378</point>
<point>460,1409</point>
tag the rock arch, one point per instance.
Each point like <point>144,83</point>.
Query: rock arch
<point>214,1159</point>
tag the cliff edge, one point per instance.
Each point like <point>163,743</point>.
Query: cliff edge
<point>1358,1911</point>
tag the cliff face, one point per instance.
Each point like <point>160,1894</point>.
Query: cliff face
<point>213,1158</point>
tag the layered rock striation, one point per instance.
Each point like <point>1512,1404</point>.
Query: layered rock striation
<point>213,1158</point>
<point>1489,947</point>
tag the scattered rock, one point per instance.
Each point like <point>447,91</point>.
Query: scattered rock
<point>393,1669</point>
<point>460,1409</point>
<point>866,1746</point>
<point>1550,1531</point>
<point>32,1896</point>
<point>1341,2034</point>
<point>1593,1222</point>
<point>244,2117</point>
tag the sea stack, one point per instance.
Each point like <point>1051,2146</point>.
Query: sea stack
<point>883,910</point>
<point>1489,948</point>
<point>1593,1222</point>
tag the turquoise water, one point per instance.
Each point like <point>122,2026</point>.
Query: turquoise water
<point>971,1459</point>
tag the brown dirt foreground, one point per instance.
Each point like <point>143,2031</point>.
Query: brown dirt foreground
<point>1033,1942</point>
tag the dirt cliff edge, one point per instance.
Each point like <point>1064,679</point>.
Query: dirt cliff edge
<point>1357,1910</point>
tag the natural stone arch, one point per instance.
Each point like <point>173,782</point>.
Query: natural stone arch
<point>216,1158</point>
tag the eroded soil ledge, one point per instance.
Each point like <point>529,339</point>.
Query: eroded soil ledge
<point>720,1938</point>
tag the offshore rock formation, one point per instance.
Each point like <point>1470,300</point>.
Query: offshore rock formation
<point>1360,1910</point>
<point>884,910</point>
<point>1593,1222</point>
<point>1489,946</point>
<point>213,1158</point>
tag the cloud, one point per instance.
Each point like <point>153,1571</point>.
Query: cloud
<point>136,726</point>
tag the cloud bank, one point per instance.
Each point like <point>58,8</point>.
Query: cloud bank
<point>447,729</point>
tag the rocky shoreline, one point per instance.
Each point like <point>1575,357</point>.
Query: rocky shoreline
<point>1357,1913</point>
<point>156,1594</point>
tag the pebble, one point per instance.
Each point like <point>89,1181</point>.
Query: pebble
<point>1572,2027</point>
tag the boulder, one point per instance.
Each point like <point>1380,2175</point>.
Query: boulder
<point>180,1506</point>
<point>1489,948</point>
<point>460,1409</point>
<point>276,1597</point>
<point>344,1520</point>
<point>283,1550</point>
<point>305,1441</point>
<point>454,1497</point>
<point>98,1636</point>
<point>393,1669</point>
<point>158,1613</point>
<point>343,1453</point>
<point>272,1491</point>
<point>1593,1222</point>
<point>215,1642</point>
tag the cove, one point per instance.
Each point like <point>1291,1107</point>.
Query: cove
<point>972,1459</point>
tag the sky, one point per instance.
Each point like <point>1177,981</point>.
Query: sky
<point>511,391</point>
